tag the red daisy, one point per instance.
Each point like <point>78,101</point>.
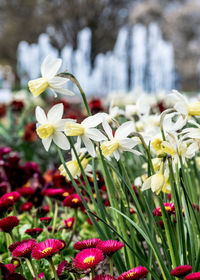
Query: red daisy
<point>193,276</point>
<point>73,201</point>
<point>26,191</point>
<point>103,277</point>
<point>135,273</point>
<point>8,223</point>
<point>181,270</point>
<point>61,267</point>
<point>26,206</point>
<point>34,232</point>
<point>109,247</point>
<point>45,220</point>
<point>5,204</point>
<point>53,192</point>
<point>69,223</point>
<point>14,196</point>
<point>24,248</point>
<point>88,258</point>
<point>88,243</point>
<point>14,245</point>
<point>46,249</point>
<point>10,267</point>
<point>169,207</point>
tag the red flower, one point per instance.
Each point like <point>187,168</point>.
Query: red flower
<point>26,191</point>
<point>40,276</point>
<point>30,134</point>
<point>169,207</point>
<point>14,245</point>
<point>46,249</point>
<point>26,206</point>
<point>8,223</point>
<point>73,201</point>
<point>5,204</point>
<point>88,243</point>
<point>193,276</point>
<point>69,223</point>
<point>10,267</point>
<point>24,248</point>
<point>53,192</point>
<point>45,220</point>
<point>34,232</point>
<point>61,267</point>
<point>103,277</point>
<point>17,105</point>
<point>181,270</point>
<point>15,262</point>
<point>134,273</point>
<point>88,258</point>
<point>14,196</point>
<point>109,247</point>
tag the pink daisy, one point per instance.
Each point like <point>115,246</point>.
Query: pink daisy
<point>26,206</point>
<point>134,273</point>
<point>73,201</point>
<point>193,276</point>
<point>88,258</point>
<point>55,193</point>
<point>69,223</point>
<point>10,267</point>
<point>169,207</point>
<point>181,270</point>
<point>46,249</point>
<point>88,243</point>
<point>14,196</point>
<point>26,191</point>
<point>24,249</point>
<point>109,247</point>
<point>8,223</point>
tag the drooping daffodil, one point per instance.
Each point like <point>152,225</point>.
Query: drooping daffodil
<point>86,131</point>
<point>50,127</point>
<point>49,79</point>
<point>120,141</point>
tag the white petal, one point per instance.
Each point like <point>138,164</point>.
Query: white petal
<point>57,82</point>
<point>107,128</point>
<point>95,134</point>
<point>146,185</point>
<point>44,66</point>
<point>61,140</point>
<point>60,125</point>
<point>181,107</point>
<point>63,91</point>
<point>47,143</point>
<point>50,68</point>
<point>89,145</point>
<point>116,155</point>
<point>40,115</point>
<point>55,113</point>
<point>124,130</point>
<point>94,120</point>
<point>128,143</point>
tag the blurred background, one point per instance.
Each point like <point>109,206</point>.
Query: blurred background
<point>109,45</point>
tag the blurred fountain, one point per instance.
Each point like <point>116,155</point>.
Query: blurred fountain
<point>141,59</point>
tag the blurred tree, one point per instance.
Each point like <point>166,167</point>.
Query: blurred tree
<point>62,20</point>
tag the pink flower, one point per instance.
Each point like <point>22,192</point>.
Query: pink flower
<point>88,243</point>
<point>8,223</point>
<point>46,249</point>
<point>193,276</point>
<point>14,196</point>
<point>169,207</point>
<point>55,193</point>
<point>134,273</point>
<point>10,267</point>
<point>34,232</point>
<point>88,258</point>
<point>73,201</point>
<point>109,247</point>
<point>26,206</point>
<point>181,270</point>
<point>69,223</point>
<point>24,249</point>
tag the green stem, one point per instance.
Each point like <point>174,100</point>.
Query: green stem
<point>74,228</point>
<point>53,269</point>
<point>55,216</point>
<point>111,266</point>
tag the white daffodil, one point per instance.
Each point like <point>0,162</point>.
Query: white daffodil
<point>86,131</point>
<point>120,142</point>
<point>49,69</point>
<point>73,165</point>
<point>51,127</point>
<point>182,106</point>
<point>192,132</point>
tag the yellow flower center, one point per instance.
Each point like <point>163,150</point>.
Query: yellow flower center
<point>46,250</point>
<point>130,274</point>
<point>168,150</point>
<point>38,86</point>
<point>65,194</point>
<point>89,259</point>
<point>75,200</point>
<point>109,147</point>
<point>45,131</point>
<point>11,197</point>
<point>156,145</point>
<point>74,129</point>
<point>16,263</point>
<point>194,109</point>
<point>69,224</point>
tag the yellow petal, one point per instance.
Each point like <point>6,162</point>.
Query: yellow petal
<point>38,86</point>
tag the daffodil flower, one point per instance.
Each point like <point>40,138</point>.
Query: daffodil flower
<point>86,131</point>
<point>120,142</point>
<point>51,127</point>
<point>49,79</point>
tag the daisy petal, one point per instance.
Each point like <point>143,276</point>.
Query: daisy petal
<point>47,143</point>
<point>61,141</point>
<point>40,115</point>
<point>55,113</point>
<point>89,145</point>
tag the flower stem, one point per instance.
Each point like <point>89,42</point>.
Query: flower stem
<point>32,268</point>
<point>111,265</point>
<point>55,216</point>
<point>74,228</point>
<point>53,269</point>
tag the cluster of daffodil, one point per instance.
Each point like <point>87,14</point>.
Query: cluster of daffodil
<point>132,143</point>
